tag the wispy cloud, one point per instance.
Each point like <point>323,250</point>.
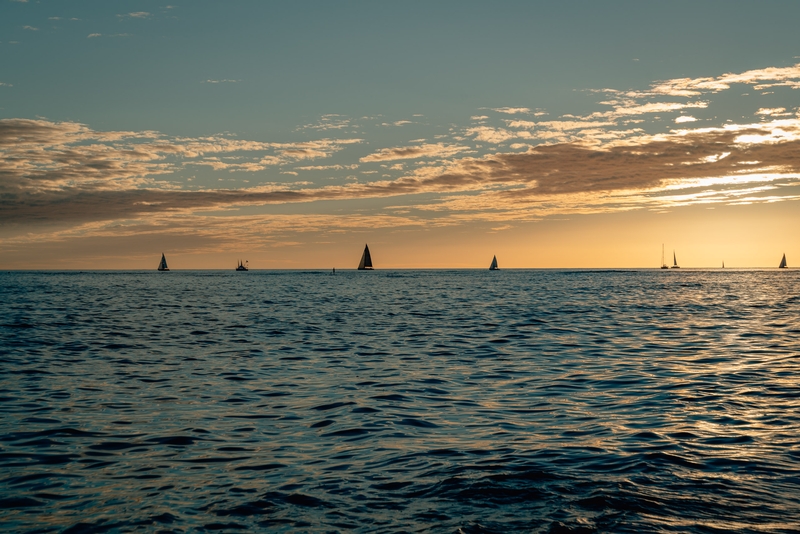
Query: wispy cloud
<point>329,122</point>
<point>437,150</point>
<point>221,81</point>
<point>327,167</point>
<point>135,15</point>
<point>93,35</point>
<point>774,112</point>
<point>31,28</point>
<point>689,87</point>
<point>630,107</point>
<point>496,135</point>
<point>512,111</point>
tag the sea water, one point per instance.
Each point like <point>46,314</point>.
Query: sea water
<point>399,401</point>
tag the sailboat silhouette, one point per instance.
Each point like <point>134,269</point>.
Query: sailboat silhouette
<point>674,261</point>
<point>493,266</point>
<point>163,265</point>
<point>783,263</point>
<point>663,263</point>
<point>366,260</point>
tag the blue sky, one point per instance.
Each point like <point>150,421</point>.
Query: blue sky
<point>291,132</point>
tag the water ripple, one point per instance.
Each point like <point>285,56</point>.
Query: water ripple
<point>443,401</point>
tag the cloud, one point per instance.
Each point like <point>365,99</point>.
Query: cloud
<point>631,107</point>
<point>38,156</point>
<point>221,81</point>
<point>3,84</point>
<point>68,172</point>
<point>135,15</point>
<point>636,164</point>
<point>31,28</point>
<point>688,87</point>
<point>327,167</point>
<point>775,112</point>
<point>430,150</point>
<point>495,135</point>
<point>329,122</point>
<point>512,111</point>
<point>92,35</point>
<point>558,125</point>
<point>65,171</point>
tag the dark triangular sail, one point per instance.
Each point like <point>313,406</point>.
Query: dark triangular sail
<point>163,265</point>
<point>674,261</point>
<point>783,263</point>
<point>493,266</point>
<point>366,260</point>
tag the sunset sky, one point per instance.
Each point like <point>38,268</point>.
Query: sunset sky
<point>550,134</point>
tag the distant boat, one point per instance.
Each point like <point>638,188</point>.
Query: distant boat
<point>674,261</point>
<point>783,263</point>
<point>366,260</point>
<point>723,264</point>
<point>493,266</point>
<point>241,266</point>
<point>663,263</point>
<point>163,265</point>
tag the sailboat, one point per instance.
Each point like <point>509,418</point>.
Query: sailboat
<point>366,260</point>
<point>783,263</point>
<point>493,266</point>
<point>163,265</point>
<point>723,264</point>
<point>663,264</point>
<point>241,266</point>
<point>674,261</point>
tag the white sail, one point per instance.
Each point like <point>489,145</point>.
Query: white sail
<point>493,266</point>
<point>783,263</point>
<point>366,260</point>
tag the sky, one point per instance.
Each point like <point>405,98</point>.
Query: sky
<point>571,134</point>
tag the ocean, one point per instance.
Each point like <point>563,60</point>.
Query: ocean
<point>545,401</point>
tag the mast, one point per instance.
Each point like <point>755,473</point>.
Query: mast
<point>783,262</point>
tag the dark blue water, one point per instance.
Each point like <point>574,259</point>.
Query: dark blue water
<point>400,401</point>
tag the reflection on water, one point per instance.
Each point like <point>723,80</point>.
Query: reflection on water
<point>389,401</point>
